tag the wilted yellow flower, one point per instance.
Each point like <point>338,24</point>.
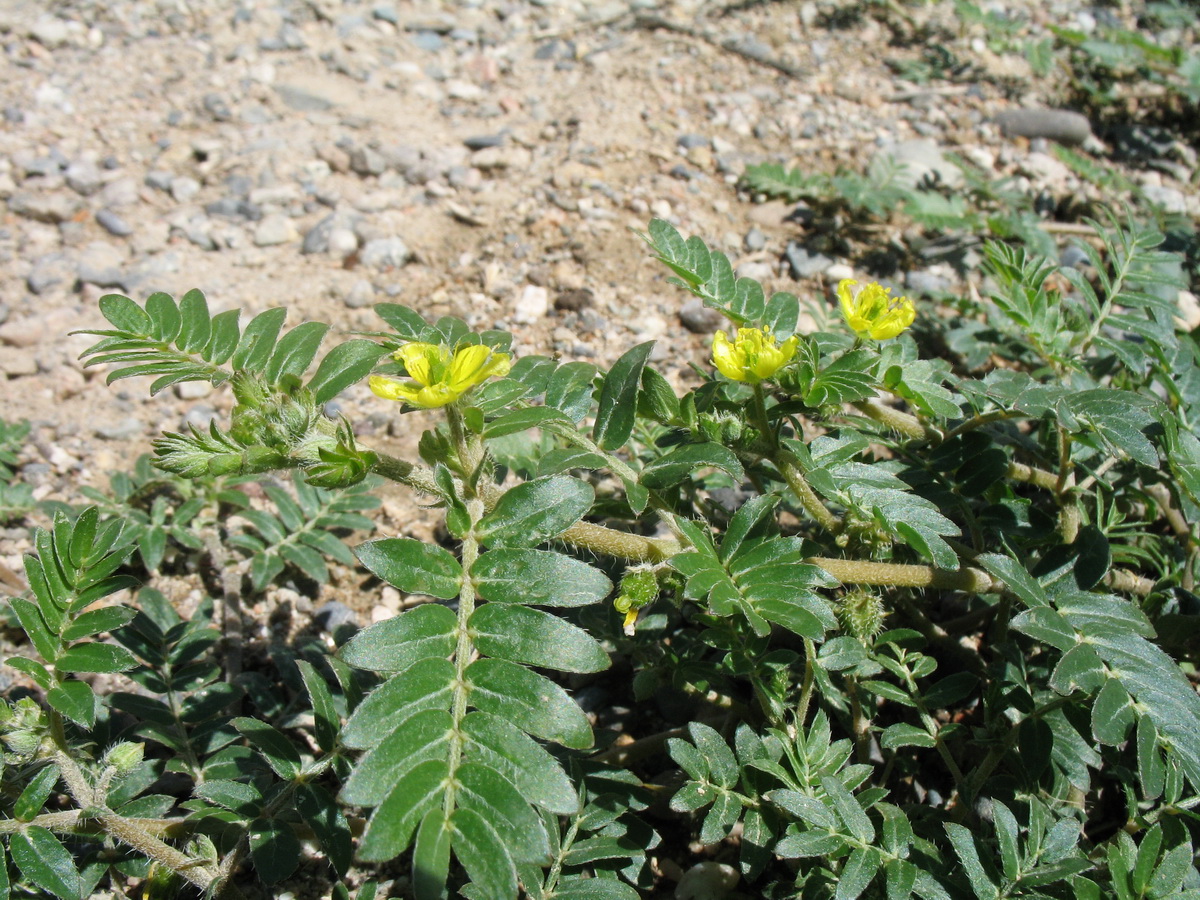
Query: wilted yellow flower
<point>753,355</point>
<point>440,376</point>
<point>874,313</point>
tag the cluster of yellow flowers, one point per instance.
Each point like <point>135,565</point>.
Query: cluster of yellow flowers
<point>441,375</point>
<point>753,355</point>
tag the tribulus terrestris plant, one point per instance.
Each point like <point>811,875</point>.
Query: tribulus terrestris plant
<point>920,588</point>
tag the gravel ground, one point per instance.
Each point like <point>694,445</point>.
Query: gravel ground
<point>481,158</point>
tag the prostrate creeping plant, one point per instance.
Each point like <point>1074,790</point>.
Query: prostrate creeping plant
<point>921,585</point>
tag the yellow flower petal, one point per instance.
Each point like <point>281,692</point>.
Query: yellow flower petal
<point>391,389</point>
<point>874,313</point>
<point>475,364</point>
<point>439,376</point>
<point>752,356</point>
<point>423,362</point>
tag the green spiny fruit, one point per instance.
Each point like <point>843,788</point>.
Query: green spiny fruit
<point>861,614</point>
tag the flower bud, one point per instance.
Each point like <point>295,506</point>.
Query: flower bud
<point>125,756</point>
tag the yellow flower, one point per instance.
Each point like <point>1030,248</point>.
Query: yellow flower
<point>874,313</point>
<point>752,355</point>
<point>439,375</point>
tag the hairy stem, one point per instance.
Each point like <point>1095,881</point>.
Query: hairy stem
<point>908,425</point>
<point>853,571</point>
<point>789,468</point>
<point>1029,475</point>
<point>806,687</point>
<point>127,830</point>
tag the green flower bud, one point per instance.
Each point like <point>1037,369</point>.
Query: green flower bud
<point>125,756</point>
<point>24,730</point>
<point>639,587</point>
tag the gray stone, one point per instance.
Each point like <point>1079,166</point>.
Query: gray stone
<point>53,207</point>
<point>532,305</point>
<point>120,193</point>
<point>4,312</point>
<point>1073,257</point>
<point>692,141</point>
<point>301,100</point>
<point>755,240</point>
<point>360,295</point>
<point>700,319</point>
<point>429,41</point>
<point>386,12</point>
<point>216,107</point>
<point>467,177</point>
<point>291,37</point>
<point>342,242</point>
<point>922,159</point>
<point>273,230</point>
<point>516,158</point>
<point>113,223</point>
<point>805,264</point>
<point>555,49</point>
<point>401,157</point>
<point>574,300</point>
<point>184,189</point>
<point>121,430</point>
<point>101,264</point>
<point>1169,199</point>
<point>1045,170</point>
<point>198,417</point>
<point>1189,311</point>
<point>758,271</point>
<point>366,161</point>
<point>159,180</point>
<point>226,207</point>
<point>153,273</point>
<point>317,239</point>
<point>930,282</point>
<point>708,880</point>
<point>50,31</point>
<point>54,271</point>
<point>193,390</point>
<point>84,178</point>
<point>199,232</point>
<point>481,141</point>
<point>334,615</point>
<point>1060,125</point>
<point>385,253</point>
<point>17,363</point>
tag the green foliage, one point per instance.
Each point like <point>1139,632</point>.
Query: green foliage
<point>16,498</point>
<point>12,436</point>
<point>301,531</point>
<point>1101,62</point>
<point>918,615</point>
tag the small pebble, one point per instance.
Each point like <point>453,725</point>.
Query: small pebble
<point>184,189</point>
<point>120,430</point>
<point>360,295</point>
<point>113,223</point>
<point>385,253</point>
<point>707,880</point>
<point>274,229</point>
<point>1060,125</point>
<point>700,319</point>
